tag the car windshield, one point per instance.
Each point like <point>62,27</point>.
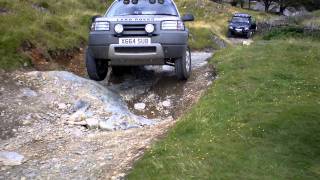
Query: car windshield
<point>144,7</point>
<point>240,20</point>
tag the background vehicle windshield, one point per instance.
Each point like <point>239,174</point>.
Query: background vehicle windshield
<point>240,20</point>
<point>144,7</point>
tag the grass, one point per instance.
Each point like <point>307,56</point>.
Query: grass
<point>260,119</point>
<point>52,25</point>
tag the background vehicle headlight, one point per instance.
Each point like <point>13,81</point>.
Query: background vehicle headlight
<point>230,27</point>
<point>118,28</point>
<point>172,25</point>
<point>149,28</point>
<point>246,28</point>
<point>100,26</point>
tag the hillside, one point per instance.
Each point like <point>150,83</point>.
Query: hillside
<point>48,29</point>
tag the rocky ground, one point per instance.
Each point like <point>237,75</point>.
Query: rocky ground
<point>57,125</point>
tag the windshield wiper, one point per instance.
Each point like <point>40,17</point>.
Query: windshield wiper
<point>165,14</point>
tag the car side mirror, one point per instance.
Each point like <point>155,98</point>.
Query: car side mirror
<point>187,17</point>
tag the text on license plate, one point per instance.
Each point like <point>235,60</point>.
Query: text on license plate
<point>134,41</point>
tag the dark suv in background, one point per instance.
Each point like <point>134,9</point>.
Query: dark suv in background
<point>242,25</point>
<point>139,32</point>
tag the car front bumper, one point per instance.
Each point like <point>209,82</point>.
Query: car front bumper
<point>164,46</point>
<point>239,32</point>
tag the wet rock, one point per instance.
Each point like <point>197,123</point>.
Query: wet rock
<point>140,106</point>
<point>11,158</point>
<point>27,92</point>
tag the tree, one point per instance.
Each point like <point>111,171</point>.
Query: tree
<point>267,4</point>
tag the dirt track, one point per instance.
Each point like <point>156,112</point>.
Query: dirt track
<point>33,117</point>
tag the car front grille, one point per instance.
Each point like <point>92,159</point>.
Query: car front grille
<point>134,30</point>
<point>150,49</point>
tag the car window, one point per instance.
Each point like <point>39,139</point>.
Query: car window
<point>144,7</point>
<point>240,20</point>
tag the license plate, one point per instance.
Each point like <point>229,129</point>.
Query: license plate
<point>239,30</point>
<point>135,41</point>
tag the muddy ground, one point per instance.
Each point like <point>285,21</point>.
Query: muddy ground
<point>36,108</point>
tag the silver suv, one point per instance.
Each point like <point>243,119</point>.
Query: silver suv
<point>139,32</point>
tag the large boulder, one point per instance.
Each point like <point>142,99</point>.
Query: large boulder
<point>91,103</point>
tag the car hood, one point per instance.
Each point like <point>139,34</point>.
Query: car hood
<point>239,24</point>
<point>142,18</point>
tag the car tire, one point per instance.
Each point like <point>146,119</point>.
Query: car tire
<point>97,68</point>
<point>183,65</point>
<point>249,35</point>
<point>229,34</point>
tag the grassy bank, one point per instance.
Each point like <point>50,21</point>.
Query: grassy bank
<point>45,24</point>
<point>260,119</point>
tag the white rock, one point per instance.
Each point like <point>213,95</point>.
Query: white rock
<point>247,43</point>
<point>92,123</point>
<point>78,116</point>
<point>166,103</point>
<point>62,106</point>
<point>106,125</point>
<point>140,106</point>
<point>11,158</point>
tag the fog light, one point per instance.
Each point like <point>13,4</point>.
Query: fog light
<point>118,28</point>
<point>149,28</point>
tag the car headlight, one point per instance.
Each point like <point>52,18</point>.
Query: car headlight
<point>172,25</point>
<point>118,28</point>
<point>246,28</point>
<point>100,26</point>
<point>149,28</point>
<point>230,27</point>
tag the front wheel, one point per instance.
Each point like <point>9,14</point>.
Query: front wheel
<point>229,34</point>
<point>249,35</point>
<point>183,66</point>
<point>97,68</point>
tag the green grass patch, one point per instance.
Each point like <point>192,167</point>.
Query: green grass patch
<point>291,32</point>
<point>48,24</point>
<point>260,119</point>
<point>202,38</point>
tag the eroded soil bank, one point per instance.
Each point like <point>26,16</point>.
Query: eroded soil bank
<point>67,127</point>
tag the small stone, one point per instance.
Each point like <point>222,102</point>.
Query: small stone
<point>78,116</point>
<point>92,123</point>
<point>247,43</point>
<point>106,125</point>
<point>140,106</point>
<point>166,103</point>
<point>62,106</point>
<point>26,122</point>
<point>11,158</point>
